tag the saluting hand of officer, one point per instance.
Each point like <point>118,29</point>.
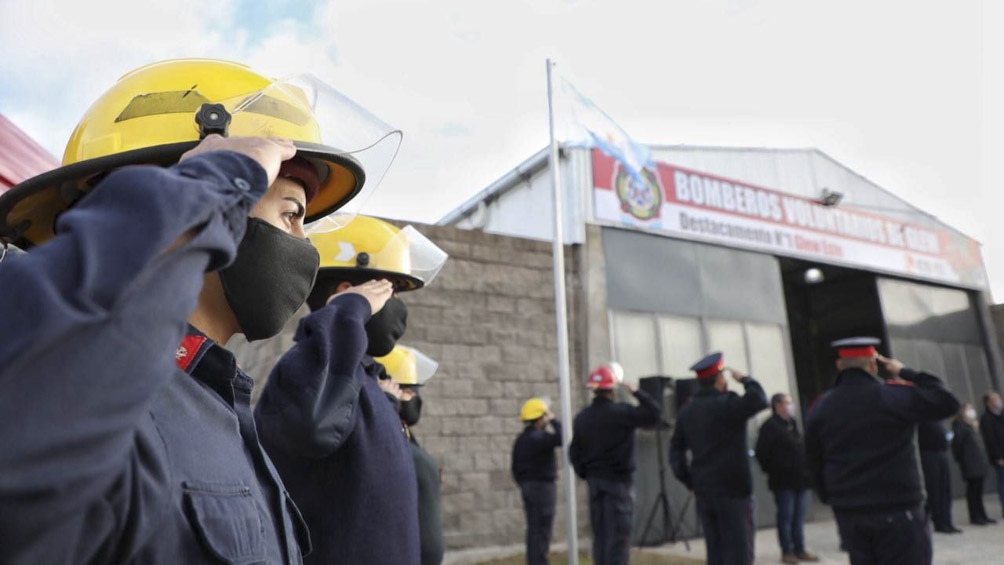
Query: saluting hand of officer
<point>891,365</point>
<point>269,152</point>
<point>377,292</point>
<point>736,374</point>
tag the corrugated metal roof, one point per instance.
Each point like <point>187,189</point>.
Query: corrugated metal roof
<point>884,201</point>
<point>21,157</point>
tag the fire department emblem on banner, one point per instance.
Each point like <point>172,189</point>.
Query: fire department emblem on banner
<point>642,200</point>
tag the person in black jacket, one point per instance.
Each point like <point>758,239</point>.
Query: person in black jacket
<point>861,454</point>
<point>972,460</point>
<point>534,469</point>
<point>781,454</point>
<point>712,426</point>
<point>602,453</point>
<point>992,430</point>
<point>932,441</point>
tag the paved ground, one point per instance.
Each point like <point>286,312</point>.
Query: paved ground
<point>976,545</point>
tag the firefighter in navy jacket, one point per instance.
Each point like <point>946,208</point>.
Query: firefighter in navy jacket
<point>860,443</point>
<point>119,444</point>
<point>409,369</point>
<point>535,470</point>
<point>323,417</point>
<point>602,453</point>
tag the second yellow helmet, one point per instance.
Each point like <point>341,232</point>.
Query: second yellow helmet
<point>408,366</point>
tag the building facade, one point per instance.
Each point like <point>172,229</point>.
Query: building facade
<point>765,254</point>
<point>715,249</point>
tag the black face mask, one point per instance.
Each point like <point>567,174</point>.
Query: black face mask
<point>411,410</point>
<point>269,280</point>
<point>386,327</point>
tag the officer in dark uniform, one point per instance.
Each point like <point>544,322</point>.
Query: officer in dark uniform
<point>602,452</point>
<point>859,444</point>
<point>535,470</point>
<point>712,426</point>
<point>932,440</point>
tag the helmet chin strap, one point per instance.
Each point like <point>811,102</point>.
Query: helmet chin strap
<point>9,249</point>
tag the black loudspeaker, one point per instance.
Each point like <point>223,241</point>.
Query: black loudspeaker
<point>684,389</point>
<point>659,388</point>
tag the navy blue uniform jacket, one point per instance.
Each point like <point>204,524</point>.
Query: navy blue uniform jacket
<point>712,426</point>
<point>339,445</point>
<point>110,452</point>
<point>603,443</point>
<point>533,454</point>
<point>860,439</point>
<point>430,518</point>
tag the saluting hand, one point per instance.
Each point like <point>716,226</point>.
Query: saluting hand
<point>891,365</point>
<point>376,292</point>
<point>737,375</point>
<point>269,152</point>
<point>390,387</point>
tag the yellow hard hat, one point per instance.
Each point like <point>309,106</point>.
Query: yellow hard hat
<point>368,248</point>
<point>533,409</point>
<point>157,112</point>
<point>408,366</point>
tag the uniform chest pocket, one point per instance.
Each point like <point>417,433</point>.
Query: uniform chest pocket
<point>226,520</point>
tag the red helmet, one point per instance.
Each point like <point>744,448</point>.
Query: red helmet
<point>606,377</point>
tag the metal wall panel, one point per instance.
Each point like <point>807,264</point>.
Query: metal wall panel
<point>650,273</point>
<point>921,311</point>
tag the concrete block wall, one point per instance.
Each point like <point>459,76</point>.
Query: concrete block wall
<point>489,320</point>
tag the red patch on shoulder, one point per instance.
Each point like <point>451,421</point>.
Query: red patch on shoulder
<point>187,350</point>
<point>899,382</point>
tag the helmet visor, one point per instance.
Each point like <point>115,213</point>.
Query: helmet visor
<point>618,371</point>
<point>425,366</point>
<point>324,123</point>
<point>411,253</point>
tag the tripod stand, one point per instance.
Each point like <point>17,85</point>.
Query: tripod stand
<point>669,528</point>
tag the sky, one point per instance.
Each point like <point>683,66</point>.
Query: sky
<point>909,94</point>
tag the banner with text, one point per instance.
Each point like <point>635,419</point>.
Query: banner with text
<point>705,207</point>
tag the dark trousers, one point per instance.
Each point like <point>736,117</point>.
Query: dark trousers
<point>1000,483</point>
<point>974,500</point>
<point>539,498</point>
<point>938,486</point>
<point>791,508</point>
<point>900,537</point>
<point>728,529</point>
<point>611,511</point>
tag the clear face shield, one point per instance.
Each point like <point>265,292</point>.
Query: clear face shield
<point>425,366</point>
<point>618,371</point>
<point>424,258</point>
<point>352,148</point>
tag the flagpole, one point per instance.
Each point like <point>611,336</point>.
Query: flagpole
<point>561,314</point>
